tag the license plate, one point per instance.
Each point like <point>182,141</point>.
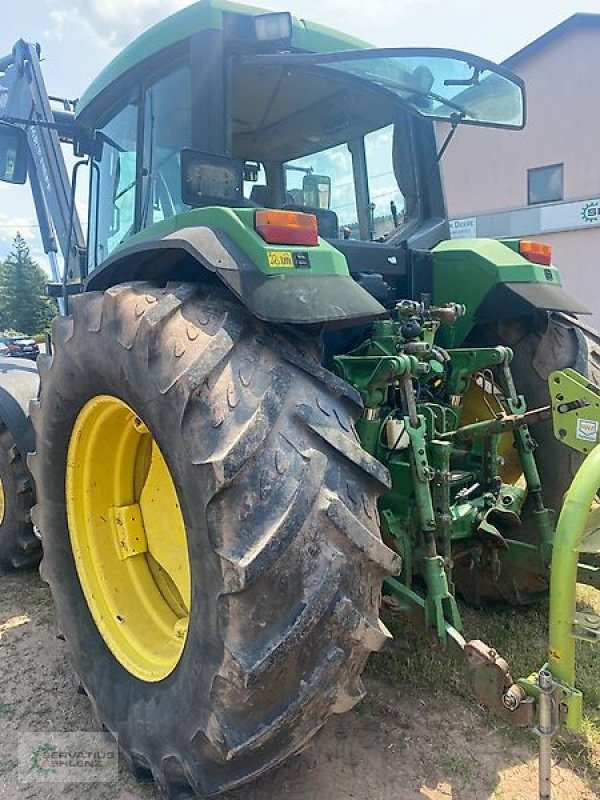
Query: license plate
<point>280,258</point>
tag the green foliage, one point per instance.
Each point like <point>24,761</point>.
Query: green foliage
<point>23,303</point>
<point>11,333</point>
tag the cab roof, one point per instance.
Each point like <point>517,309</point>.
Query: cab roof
<point>208,15</point>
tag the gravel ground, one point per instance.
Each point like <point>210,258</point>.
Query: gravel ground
<point>400,743</point>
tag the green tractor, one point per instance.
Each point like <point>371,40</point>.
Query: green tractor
<point>278,395</point>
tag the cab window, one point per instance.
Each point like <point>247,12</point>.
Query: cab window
<point>323,180</point>
<point>167,131</point>
<point>387,202</point>
<point>114,182</point>
<point>132,188</point>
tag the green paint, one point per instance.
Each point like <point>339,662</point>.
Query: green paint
<point>424,513</point>
<point>569,540</point>
<point>577,427</point>
<point>576,532</point>
<point>440,605</point>
<point>512,243</point>
<point>207,15</point>
<point>238,223</point>
<point>464,270</point>
<point>371,374</point>
<point>466,361</point>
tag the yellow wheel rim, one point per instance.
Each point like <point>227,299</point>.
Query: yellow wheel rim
<point>128,538</point>
<point>2,502</point>
<point>481,403</point>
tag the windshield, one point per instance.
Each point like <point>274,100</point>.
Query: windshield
<point>325,143</point>
<point>441,84</point>
<point>327,129</point>
<point>332,171</point>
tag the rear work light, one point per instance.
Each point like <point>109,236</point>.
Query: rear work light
<point>287,227</point>
<point>536,252</point>
<point>273,27</point>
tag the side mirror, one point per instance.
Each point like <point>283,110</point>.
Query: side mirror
<point>317,190</point>
<point>14,154</point>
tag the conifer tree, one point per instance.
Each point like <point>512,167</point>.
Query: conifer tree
<point>24,306</point>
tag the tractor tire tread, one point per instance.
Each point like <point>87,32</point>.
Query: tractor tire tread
<point>289,501</point>
<point>19,546</point>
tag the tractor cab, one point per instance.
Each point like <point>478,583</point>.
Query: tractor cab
<point>238,114</point>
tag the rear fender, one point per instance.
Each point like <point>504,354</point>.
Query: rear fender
<point>276,283</point>
<point>495,283</point>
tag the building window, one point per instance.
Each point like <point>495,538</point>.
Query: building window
<point>545,184</point>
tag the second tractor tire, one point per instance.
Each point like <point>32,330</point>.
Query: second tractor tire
<point>19,546</point>
<point>540,346</point>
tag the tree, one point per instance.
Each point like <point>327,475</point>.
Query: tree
<point>24,305</point>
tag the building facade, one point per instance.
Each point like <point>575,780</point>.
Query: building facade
<point>542,182</point>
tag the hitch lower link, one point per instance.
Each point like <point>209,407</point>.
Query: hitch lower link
<point>494,687</point>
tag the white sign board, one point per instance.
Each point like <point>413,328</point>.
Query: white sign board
<point>463,228</point>
<point>587,430</point>
<point>566,216</point>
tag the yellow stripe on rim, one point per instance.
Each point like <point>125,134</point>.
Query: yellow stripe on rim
<point>128,538</point>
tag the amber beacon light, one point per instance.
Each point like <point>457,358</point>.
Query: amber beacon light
<point>536,252</point>
<point>287,227</point>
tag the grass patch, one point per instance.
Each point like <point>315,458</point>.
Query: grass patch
<point>520,635</point>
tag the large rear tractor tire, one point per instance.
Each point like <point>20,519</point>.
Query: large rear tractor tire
<point>210,531</point>
<point>552,341</point>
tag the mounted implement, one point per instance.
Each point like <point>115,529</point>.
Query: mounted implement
<point>276,387</point>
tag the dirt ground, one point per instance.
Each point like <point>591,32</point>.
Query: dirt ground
<point>400,743</point>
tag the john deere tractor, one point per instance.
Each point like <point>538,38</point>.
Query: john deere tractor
<point>275,382</point>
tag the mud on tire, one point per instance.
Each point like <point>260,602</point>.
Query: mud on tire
<point>279,503</point>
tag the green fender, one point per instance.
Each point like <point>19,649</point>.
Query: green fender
<point>494,282</point>
<point>276,283</point>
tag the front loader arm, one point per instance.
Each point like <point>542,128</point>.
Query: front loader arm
<point>25,103</point>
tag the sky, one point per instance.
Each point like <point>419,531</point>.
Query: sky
<point>79,37</point>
